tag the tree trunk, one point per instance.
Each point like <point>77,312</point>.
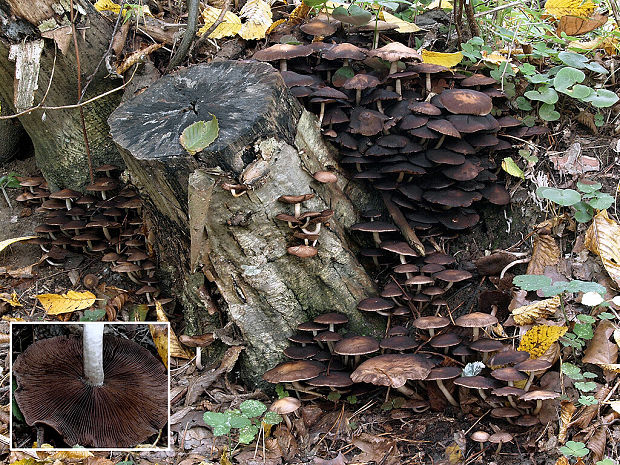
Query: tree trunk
<point>200,230</point>
<point>26,63</point>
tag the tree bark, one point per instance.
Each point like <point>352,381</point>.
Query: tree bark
<point>200,230</point>
<point>26,63</point>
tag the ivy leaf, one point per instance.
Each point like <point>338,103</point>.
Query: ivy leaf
<point>544,94</point>
<point>538,78</point>
<point>602,201</point>
<point>252,408</point>
<point>587,400</point>
<point>199,135</point>
<point>572,371</point>
<point>564,197</point>
<point>523,104</point>
<point>584,331</point>
<point>272,418</point>
<point>237,420</point>
<point>602,98</point>
<point>247,434</point>
<point>585,386</point>
<point>578,91</point>
<point>583,212</point>
<point>589,188</point>
<point>547,112</point>
<point>576,60</point>
<point>575,449</point>
<point>93,315</point>
<point>596,67</point>
<point>531,282</point>
<point>566,77</point>
<point>218,421</point>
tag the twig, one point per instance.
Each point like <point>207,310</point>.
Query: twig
<point>188,36</point>
<point>79,93</point>
<point>70,107</point>
<point>498,8</point>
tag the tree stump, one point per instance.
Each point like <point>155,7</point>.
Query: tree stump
<point>270,144</point>
<point>27,62</point>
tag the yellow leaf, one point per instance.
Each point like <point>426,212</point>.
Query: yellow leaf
<point>274,25</point>
<point>603,239</point>
<point>545,252</point>
<point>71,455</point>
<point>5,243</point>
<point>11,318</point>
<point>257,16</point>
<point>443,4</point>
<point>10,299</point>
<point>539,338</point>
<point>160,339</point>
<point>402,26</point>
<point>227,28</point>
<point>613,367</point>
<point>56,304</point>
<point>528,314</point>
<point>615,405</point>
<point>299,13</point>
<point>494,57</point>
<point>559,8</point>
<point>562,461</point>
<point>107,5</point>
<point>176,349</point>
<point>444,59</point>
<point>454,453</point>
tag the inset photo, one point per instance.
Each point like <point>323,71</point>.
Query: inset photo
<point>90,385</point>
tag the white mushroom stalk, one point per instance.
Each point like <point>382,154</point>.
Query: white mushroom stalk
<point>93,353</point>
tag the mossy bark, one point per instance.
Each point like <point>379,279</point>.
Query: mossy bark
<point>267,140</point>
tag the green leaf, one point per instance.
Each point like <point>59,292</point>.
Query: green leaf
<point>272,418</point>
<point>138,312</point>
<point>539,78</point>
<point>334,396</point>
<point>199,135</point>
<point>341,75</point>
<point>589,375</point>
<point>531,282</point>
<point>607,461</point>
<point>544,94</point>
<point>572,371</point>
<point>585,386</point>
<point>584,331</point>
<point>589,188</point>
<point>576,60</point>
<point>596,67</point>
<point>587,400</point>
<point>583,212</point>
<point>578,91</point>
<point>586,319</point>
<point>576,285</point>
<point>606,316</point>
<point>602,201</point>
<point>252,408</point>
<point>564,197</point>
<point>353,15</point>
<point>529,121</point>
<point>315,3</point>
<point>531,159</point>
<point>237,420</point>
<point>510,167</point>
<point>523,104</point>
<point>566,77</point>
<point>281,392</point>
<point>574,449</point>
<point>247,434</point>
<point>602,98</point>
<point>218,421</point>
<point>93,315</point>
<point>352,400</point>
<point>547,112</point>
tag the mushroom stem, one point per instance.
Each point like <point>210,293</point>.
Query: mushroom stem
<point>445,392</point>
<point>379,107</point>
<point>476,334</point>
<point>316,230</point>
<point>93,353</point>
<point>322,113</point>
<point>441,139</point>
<point>408,392</point>
<point>538,407</point>
<point>68,203</point>
<point>529,382</point>
<point>199,358</point>
<point>358,96</point>
<point>428,83</point>
<point>283,65</point>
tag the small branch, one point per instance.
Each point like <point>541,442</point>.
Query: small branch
<point>402,224</point>
<point>188,36</point>
<point>498,8</point>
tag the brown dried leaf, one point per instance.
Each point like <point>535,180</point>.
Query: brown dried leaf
<point>587,119</point>
<point>578,25</point>
<point>603,239</point>
<point>545,252</point>
<point>115,305</point>
<point>528,314</point>
<point>590,411</point>
<point>601,350</point>
<point>566,414</point>
<point>562,461</point>
<point>376,449</point>
<point>137,57</point>
<point>597,444</point>
<point>176,349</point>
<point>338,460</point>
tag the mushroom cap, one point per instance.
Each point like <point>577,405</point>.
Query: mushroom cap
<point>507,391</point>
<point>476,382</point>
<point>356,345</point>
<point>466,102</point>
<point>361,81</point>
<point>428,68</point>
<point>394,51</point>
<point>332,318</point>
<point>476,320</point>
<point>398,343</point>
<point>285,405</point>
<point>311,326</point>
<point>374,304</point>
<point>282,52</point>
<point>334,379</point>
<point>500,437</point>
<point>374,226</point>
<point>293,199</point>
<point>442,373</point>
<point>392,370</point>
<point>65,194</point>
<point>505,412</point>
<point>301,353</point>
<point>445,340</point>
<point>508,357</point>
<point>478,80</point>
<point>508,374</point>
<point>431,322</point>
<point>319,27</point>
<point>325,176</point>
<point>425,108</point>
<point>399,247</point>
<point>539,395</point>
<point>496,194</point>
<point>344,52</point>
<point>303,251</point>
<point>328,336</point>
<point>130,406</point>
<point>289,372</point>
<point>480,436</point>
<point>486,345</point>
<point>533,365</point>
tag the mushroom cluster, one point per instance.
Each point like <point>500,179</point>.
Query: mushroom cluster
<point>106,221</point>
<point>306,225</point>
<point>323,359</point>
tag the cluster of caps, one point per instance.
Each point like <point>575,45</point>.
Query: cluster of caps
<point>323,358</point>
<point>107,220</point>
<point>306,225</point>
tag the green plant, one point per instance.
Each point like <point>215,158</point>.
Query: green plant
<point>585,202</point>
<point>575,449</point>
<point>8,181</point>
<point>581,382</point>
<point>248,420</point>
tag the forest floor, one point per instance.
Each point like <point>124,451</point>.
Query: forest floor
<point>325,432</point>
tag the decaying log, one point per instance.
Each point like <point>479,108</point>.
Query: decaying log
<point>200,230</point>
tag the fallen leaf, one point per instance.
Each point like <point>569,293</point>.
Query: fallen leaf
<point>11,299</point>
<point>562,461</point>
<point>538,339</point>
<point>597,444</point>
<point>576,25</point>
<point>603,239</point>
<point>454,454</point>
<point>230,25</point>
<point>5,243</point>
<point>559,8</point>
<point>338,460</point>
<point>137,57</point>
<point>587,119</point>
<point>402,26</point>
<point>528,314</point>
<point>448,60</point>
<point>545,252</point>
<point>443,4</point>
<point>55,304</point>
<point>600,349</point>
<point>257,16</point>
<point>107,5</point>
<point>176,349</point>
<point>567,410</point>
<point>199,135</point>
<point>159,333</point>
<point>573,162</point>
<point>376,449</point>
<point>71,455</point>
